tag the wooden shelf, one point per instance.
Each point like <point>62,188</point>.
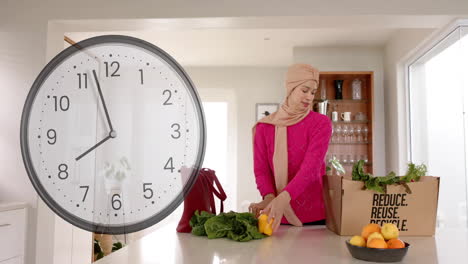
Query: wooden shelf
<point>351,122</point>
<point>354,143</point>
<point>346,101</point>
<point>347,104</point>
<point>365,164</point>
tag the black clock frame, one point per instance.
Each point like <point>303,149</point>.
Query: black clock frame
<point>33,176</point>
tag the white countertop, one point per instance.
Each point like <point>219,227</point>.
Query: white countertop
<point>309,244</point>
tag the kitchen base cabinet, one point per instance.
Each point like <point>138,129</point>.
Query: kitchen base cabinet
<point>12,233</point>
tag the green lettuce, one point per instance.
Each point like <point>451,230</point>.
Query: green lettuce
<point>197,222</point>
<point>236,226</point>
<point>379,184</point>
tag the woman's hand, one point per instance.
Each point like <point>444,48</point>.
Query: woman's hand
<point>275,209</point>
<point>256,208</point>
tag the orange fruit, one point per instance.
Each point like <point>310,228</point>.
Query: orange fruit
<point>377,243</point>
<point>373,236</point>
<point>369,229</point>
<point>395,243</point>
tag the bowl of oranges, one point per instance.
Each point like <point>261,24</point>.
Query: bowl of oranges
<point>378,244</point>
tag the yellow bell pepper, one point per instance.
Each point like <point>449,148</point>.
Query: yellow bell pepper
<point>263,226</point>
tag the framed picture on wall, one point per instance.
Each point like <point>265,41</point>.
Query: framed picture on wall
<point>265,109</point>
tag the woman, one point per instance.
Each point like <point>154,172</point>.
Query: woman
<point>289,152</point>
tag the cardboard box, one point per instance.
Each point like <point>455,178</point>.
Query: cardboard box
<point>349,208</point>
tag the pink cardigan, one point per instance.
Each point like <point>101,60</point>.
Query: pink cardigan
<point>307,145</point>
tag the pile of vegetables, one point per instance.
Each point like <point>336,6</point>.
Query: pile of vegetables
<point>379,184</point>
<point>240,227</point>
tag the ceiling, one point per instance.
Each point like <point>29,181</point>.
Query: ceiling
<point>265,41</point>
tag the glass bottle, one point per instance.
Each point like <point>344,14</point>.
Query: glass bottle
<point>323,89</point>
<point>357,90</point>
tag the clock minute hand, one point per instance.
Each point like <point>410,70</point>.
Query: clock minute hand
<point>102,101</point>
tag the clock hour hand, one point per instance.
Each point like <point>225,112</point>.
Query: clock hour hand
<point>112,134</point>
<point>102,101</point>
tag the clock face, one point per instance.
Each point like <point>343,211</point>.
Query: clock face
<point>113,134</point>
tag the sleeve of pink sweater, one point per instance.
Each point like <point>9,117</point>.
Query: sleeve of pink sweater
<point>311,167</point>
<point>262,170</point>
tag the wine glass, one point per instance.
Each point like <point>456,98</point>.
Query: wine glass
<point>351,134</point>
<point>338,133</point>
<point>366,130</point>
<point>333,134</point>
<point>345,133</point>
<point>358,133</point>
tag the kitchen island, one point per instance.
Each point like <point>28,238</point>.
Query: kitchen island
<point>309,244</point>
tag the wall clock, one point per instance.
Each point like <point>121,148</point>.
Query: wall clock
<point>113,134</point>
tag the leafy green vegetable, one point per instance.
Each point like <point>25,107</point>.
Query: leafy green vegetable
<point>358,172</point>
<point>116,246</point>
<point>197,222</point>
<point>236,226</point>
<point>218,226</point>
<point>97,250</point>
<point>379,184</point>
<point>245,228</point>
<point>335,163</point>
<point>99,254</point>
<point>374,184</point>
<point>414,172</point>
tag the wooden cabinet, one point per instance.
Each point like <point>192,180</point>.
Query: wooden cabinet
<point>351,139</point>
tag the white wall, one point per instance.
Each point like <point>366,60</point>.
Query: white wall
<point>355,59</point>
<point>397,51</point>
<point>23,38</point>
<point>18,68</point>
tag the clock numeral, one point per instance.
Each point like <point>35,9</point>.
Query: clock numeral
<point>51,135</point>
<point>116,203</point>
<point>114,74</point>
<point>62,103</point>
<point>86,191</point>
<point>176,130</point>
<point>63,173</point>
<point>147,189</point>
<point>85,76</point>
<point>168,98</point>
<point>141,76</point>
<point>170,164</point>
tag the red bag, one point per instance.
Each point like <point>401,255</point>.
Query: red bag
<point>201,198</point>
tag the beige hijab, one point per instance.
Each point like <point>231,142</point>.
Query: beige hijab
<point>286,116</point>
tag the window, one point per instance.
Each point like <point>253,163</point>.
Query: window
<point>438,101</point>
<point>216,139</point>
